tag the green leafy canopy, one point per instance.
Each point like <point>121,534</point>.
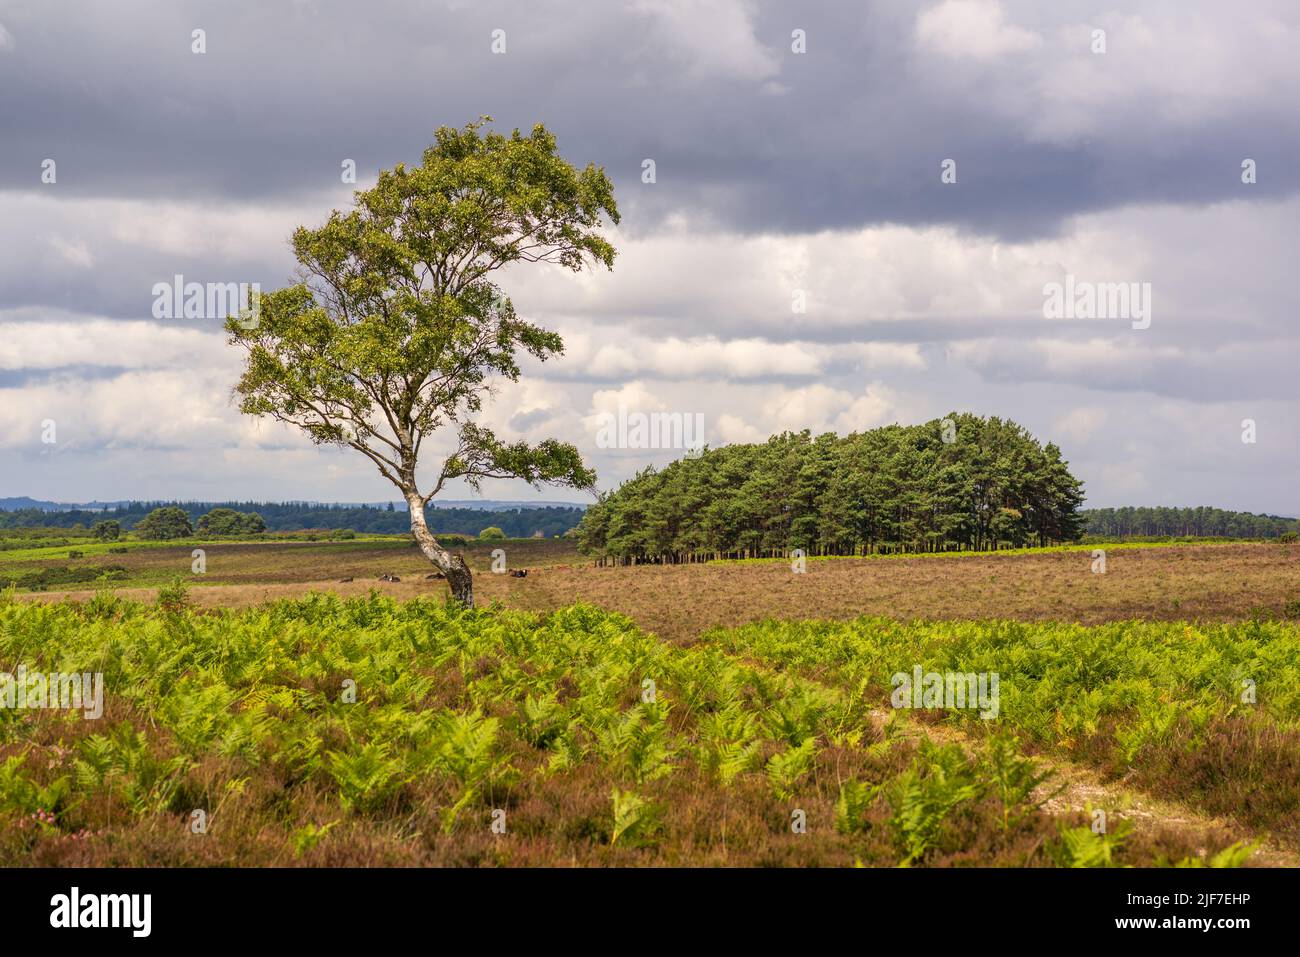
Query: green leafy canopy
<point>395,329</point>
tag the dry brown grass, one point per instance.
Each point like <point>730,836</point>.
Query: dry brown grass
<point>279,562</point>
<point>1186,582</point>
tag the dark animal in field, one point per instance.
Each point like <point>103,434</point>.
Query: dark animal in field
<point>519,573</point>
<point>434,575</point>
<point>389,578</point>
<point>342,580</point>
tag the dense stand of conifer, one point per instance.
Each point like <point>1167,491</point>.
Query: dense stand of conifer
<point>959,483</point>
<point>1203,520</point>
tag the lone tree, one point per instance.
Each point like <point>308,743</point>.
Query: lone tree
<point>169,521</point>
<point>228,521</point>
<point>109,530</point>
<point>396,331</point>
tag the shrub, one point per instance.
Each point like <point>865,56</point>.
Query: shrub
<point>636,820</point>
<point>174,597</point>
<point>165,523</point>
<point>851,808</point>
<point>227,521</point>
<point>1082,847</point>
<point>491,534</point>
<point>940,778</point>
<point>62,575</point>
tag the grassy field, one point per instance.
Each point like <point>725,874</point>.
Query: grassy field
<point>150,564</point>
<point>1221,582</point>
<point>726,713</point>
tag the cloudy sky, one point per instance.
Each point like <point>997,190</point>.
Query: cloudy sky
<point>780,177</point>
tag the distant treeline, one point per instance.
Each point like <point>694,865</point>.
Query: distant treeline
<point>963,482</point>
<point>290,517</point>
<point>1202,522</point>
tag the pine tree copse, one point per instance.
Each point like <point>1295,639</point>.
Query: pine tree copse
<point>979,483</point>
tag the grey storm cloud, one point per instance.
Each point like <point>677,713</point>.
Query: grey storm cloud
<point>742,129</point>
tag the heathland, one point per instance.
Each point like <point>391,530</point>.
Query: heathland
<point>712,713</point>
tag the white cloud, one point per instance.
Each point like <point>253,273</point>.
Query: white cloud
<point>972,29</point>
<point>875,408</point>
<point>819,408</point>
<point>744,287</point>
<point>172,229</point>
<point>1124,478</point>
<point>1143,72</point>
<point>1138,92</point>
<point>714,38</point>
<point>710,358</point>
<point>633,396</point>
<point>149,408</point>
<point>74,253</point>
<point>1080,424</point>
<point>62,341</point>
<point>733,430</point>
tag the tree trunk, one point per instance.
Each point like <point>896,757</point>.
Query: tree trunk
<point>458,574</point>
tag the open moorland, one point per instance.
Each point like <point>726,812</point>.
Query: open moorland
<point>252,563</point>
<point>730,713</point>
<point>1205,582</point>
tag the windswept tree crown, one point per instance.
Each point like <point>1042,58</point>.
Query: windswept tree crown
<point>395,328</point>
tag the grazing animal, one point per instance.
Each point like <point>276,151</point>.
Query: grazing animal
<point>519,573</point>
<point>434,575</point>
<point>342,580</point>
<point>389,578</point>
